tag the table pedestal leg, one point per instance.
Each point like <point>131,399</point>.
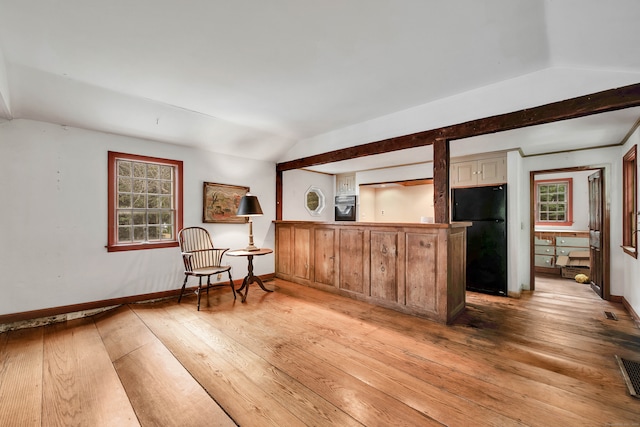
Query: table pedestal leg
<point>250,278</point>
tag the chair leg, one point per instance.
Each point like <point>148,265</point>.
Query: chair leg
<point>199,293</point>
<point>231,283</point>
<point>183,286</point>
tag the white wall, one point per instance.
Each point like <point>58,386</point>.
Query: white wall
<point>609,158</point>
<point>396,203</point>
<point>400,173</point>
<point>580,199</point>
<point>54,216</point>
<point>295,184</point>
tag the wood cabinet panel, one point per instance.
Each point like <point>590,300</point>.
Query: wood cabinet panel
<point>284,250</point>
<point>456,271</point>
<point>325,256</point>
<point>421,270</point>
<point>352,260</point>
<point>418,269</point>
<point>384,270</point>
<point>301,252</point>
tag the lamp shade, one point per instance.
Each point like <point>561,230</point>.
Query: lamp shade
<point>249,206</point>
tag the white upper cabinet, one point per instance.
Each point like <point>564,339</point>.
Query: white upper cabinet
<point>474,172</point>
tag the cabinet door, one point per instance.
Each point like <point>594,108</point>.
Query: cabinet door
<point>284,250</point>
<point>544,261</point>
<point>492,171</point>
<point>384,250</point>
<point>324,256</point>
<point>352,260</point>
<point>566,250</point>
<point>544,250</point>
<point>301,252</point>
<point>578,242</point>
<point>464,174</point>
<point>346,184</point>
<point>421,271</point>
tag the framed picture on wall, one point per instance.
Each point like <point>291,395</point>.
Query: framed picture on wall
<point>221,201</point>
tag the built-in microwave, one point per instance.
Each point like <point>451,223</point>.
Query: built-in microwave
<point>345,208</point>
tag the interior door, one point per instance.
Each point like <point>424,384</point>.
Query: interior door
<point>595,232</point>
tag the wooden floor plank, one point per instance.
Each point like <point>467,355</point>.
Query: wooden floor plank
<point>80,385</point>
<point>122,332</point>
<point>231,387</point>
<point>300,356</point>
<point>161,391</point>
<point>468,349</point>
<point>433,371</point>
<point>21,362</point>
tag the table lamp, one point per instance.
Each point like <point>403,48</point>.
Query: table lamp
<point>249,207</point>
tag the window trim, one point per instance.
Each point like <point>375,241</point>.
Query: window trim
<point>569,221</point>
<point>630,202</point>
<point>112,229</point>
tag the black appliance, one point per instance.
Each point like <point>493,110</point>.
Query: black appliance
<point>345,208</point>
<point>486,208</point>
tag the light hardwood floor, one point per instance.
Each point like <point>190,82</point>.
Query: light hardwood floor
<point>300,356</point>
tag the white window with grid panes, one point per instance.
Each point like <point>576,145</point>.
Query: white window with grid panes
<point>145,202</point>
<point>145,209</point>
<point>553,202</point>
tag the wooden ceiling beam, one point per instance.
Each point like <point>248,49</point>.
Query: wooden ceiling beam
<point>599,102</point>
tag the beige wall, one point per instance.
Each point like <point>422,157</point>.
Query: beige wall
<point>396,203</point>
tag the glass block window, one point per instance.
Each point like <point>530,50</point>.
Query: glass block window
<point>554,202</point>
<point>145,202</point>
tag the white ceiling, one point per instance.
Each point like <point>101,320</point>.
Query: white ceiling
<point>254,78</point>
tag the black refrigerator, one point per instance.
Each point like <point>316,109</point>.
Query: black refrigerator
<point>486,208</point>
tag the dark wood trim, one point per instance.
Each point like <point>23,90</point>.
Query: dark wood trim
<point>278,195</point>
<point>379,147</point>
<point>92,305</point>
<point>595,103</point>
<point>532,231</point>
<point>441,156</point>
<point>629,309</point>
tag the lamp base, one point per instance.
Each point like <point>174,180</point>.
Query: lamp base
<point>251,248</point>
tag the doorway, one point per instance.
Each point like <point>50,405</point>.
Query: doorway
<point>593,232</point>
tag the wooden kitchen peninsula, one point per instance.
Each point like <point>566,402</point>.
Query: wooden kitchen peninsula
<point>418,269</point>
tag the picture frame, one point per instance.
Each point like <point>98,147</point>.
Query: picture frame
<point>220,203</point>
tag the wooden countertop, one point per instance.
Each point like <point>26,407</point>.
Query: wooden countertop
<point>379,224</point>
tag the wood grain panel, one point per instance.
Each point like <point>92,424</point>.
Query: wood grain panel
<point>325,256</point>
<point>421,271</point>
<point>351,260</point>
<point>302,252</point>
<point>284,250</point>
<point>457,272</point>
<point>21,362</point>
<point>384,260</point>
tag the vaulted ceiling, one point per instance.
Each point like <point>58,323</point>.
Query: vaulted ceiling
<point>259,78</point>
